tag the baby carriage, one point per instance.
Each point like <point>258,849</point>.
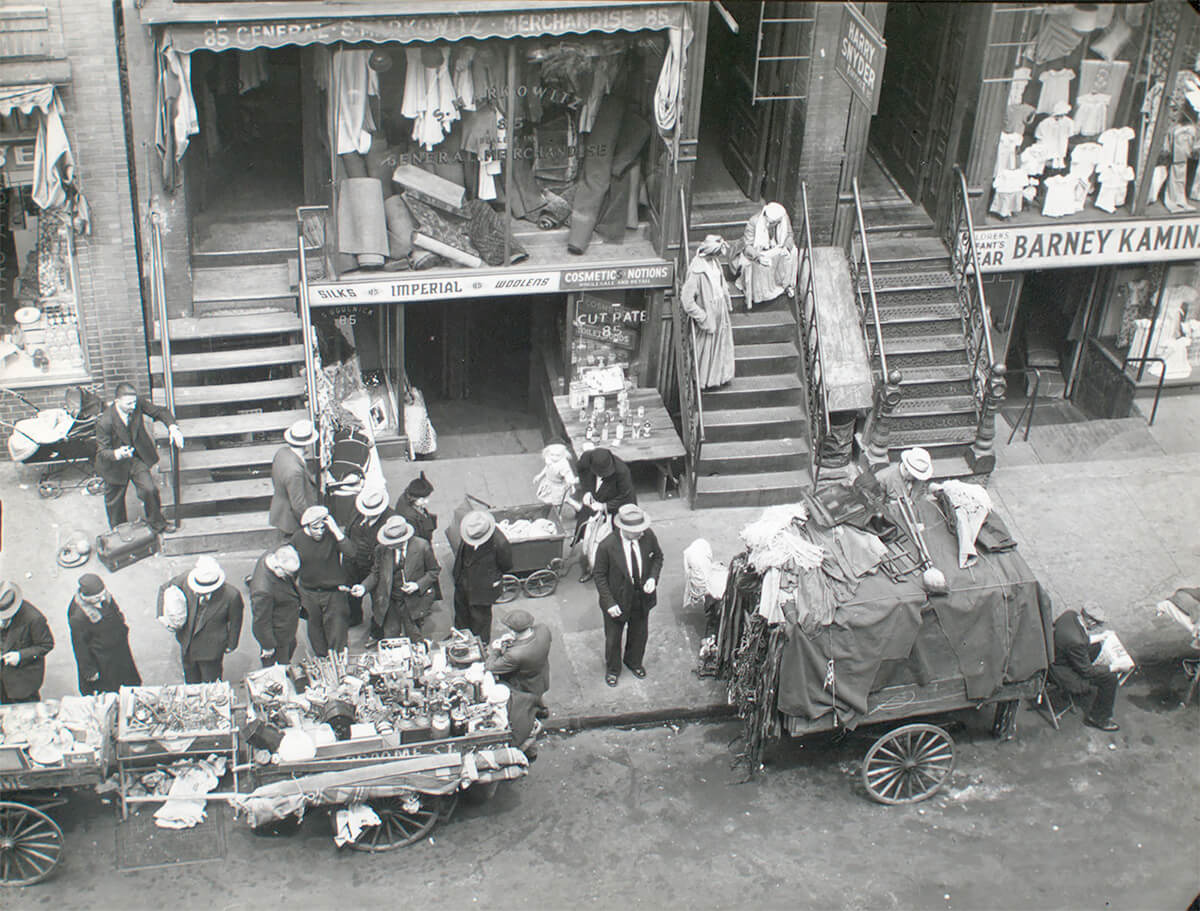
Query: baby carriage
<point>60,439</point>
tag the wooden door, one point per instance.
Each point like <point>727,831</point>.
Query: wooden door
<point>745,125</point>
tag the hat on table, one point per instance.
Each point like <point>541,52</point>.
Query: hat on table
<point>395,531</point>
<point>518,620</point>
<point>313,515</point>
<point>918,463</point>
<point>371,502</point>
<point>631,518</point>
<point>10,599</point>
<point>419,487</point>
<point>476,527</point>
<point>301,433</point>
<point>91,587</point>
<point>206,577</point>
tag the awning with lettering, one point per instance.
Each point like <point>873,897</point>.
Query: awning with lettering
<point>245,26</point>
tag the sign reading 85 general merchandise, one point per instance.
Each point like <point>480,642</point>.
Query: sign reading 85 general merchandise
<point>858,58</point>
<point>1058,246</point>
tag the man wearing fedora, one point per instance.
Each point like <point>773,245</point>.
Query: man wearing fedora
<point>521,658</point>
<point>323,583</point>
<point>628,565</point>
<point>211,622</point>
<point>371,511</point>
<point>402,581</point>
<point>292,484</point>
<point>909,478</point>
<point>482,558</point>
<point>125,452</point>
<point>100,638</point>
<point>25,640</point>
<point>275,604</point>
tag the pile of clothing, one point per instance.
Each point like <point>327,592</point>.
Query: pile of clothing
<point>528,529</point>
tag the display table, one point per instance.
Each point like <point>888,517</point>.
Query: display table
<point>661,448</point>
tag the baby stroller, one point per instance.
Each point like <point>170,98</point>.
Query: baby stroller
<point>61,439</point>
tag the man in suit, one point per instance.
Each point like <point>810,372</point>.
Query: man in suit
<point>371,511</point>
<point>25,640</point>
<point>482,558</point>
<point>292,484</point>
<point>275,604</point>
<point>627,568</point>
<point>402,581</point>
<point>1074,671</point>
<point>205,614</point>
<point>522,658</point>
<point>605,485</point>
<point>126,452</point>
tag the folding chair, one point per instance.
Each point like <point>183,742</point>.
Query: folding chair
<point>1044,701</point>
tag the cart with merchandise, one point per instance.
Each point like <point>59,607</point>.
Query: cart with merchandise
<point>535,533</point>
<point>387,739</point>
<point>886,654</point>
<point>47,749</point>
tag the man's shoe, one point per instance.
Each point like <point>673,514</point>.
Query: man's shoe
<point>638,671</point>
<point>610,679</point>
<point>585,576</point>
<point>1107,725</point>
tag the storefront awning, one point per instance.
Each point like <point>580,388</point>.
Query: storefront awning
<point>245,26</point>
<point>25,98</point>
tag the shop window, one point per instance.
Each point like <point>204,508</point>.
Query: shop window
<point>1153,312</point>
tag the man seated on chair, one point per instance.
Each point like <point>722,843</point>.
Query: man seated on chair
<point>1073,670</point>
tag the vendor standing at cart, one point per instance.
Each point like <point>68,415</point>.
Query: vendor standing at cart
<point>521,658</point>
<point>25,640</point>
<point>205,613</point>
<point>275,604</point>
<point>323,582</point>
<point>402,581</point>
<point>483,557</point>
<point>605,485</point>
<point>100,638</point>
<point>371,511</point>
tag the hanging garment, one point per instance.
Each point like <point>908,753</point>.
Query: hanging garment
<point>177,119</point>
<point>1182,144</point>
<point>252,70</point>
<point>1114,186</point>
<point>1009,186</point>
<point>1055,39</point>
<point>1116,145</point>
<point>1033,158</point>
<point>1006,153</point>
<point>1016,88</point>
<point>1065,195</point>
<point>1110,44</point>
<point>1056,90</point>
<point>1091,113</point>
<point>53,164</point>
<point>429,94</point>
<point>670,78</point>
<point>1106,78</point>
<point>1134,295</point>
<point>462,79</point>
<point>705,298</point>
<point>354,82</point>
<point>362,220</point>
<point>1017,117</point>
<point>1085,158</point>
<point>1055,132</point>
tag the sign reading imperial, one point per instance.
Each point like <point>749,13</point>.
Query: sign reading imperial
<point>1054,246</point>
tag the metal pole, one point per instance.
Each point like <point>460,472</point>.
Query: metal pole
<point>510,135</point>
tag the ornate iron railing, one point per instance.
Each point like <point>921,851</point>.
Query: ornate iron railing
<point>691,405</point>
<point>158,297</point>
<point>311,229</point>
<point>808,341</point>
<point>868,304</point>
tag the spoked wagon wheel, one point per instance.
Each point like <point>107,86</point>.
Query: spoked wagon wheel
<point>541,583</point>
<point>402,821</point>
<point>31,844</point>
<point>510,587</point>
<point>908,764</point>
<point>49,490</point>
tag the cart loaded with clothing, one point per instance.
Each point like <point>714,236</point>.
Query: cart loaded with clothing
<point>827,623</point>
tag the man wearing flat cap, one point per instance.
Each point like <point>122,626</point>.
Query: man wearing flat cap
<point>25,640</point>
<point>100,638</point>
<point>275,604</point>
<point>521,658</point>
<point>323,582</point>
<point>1074,671</point>
<point>211,620</point>
<point>292,484</point>
<point>371,511</point>
<point>483,556</point>
<point>628,565</point>
<point>402,581</point>
<point>908,478</point>
<point>413,505</point>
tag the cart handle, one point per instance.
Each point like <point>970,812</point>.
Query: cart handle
<point>18,395</point>
<point>484,503</point>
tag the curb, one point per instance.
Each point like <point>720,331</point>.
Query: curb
<point>571,723</point>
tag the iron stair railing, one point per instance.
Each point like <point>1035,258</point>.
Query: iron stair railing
<point>868,303</point>
<point>158,297</point>
<point>808,341</point>
<point>691,406</point>
<point>307,217</point>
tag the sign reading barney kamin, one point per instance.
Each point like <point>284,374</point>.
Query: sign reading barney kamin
<point>1057,246</point>
<point>859,57</point>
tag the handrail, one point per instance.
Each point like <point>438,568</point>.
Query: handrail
<point>685,247</point>
<point>866,258</point>
<point>1030,403</point>
<point>687,369</point>
<point>812,351</point>
<point>964,260</point>
<point>310,384</point>
<point>158,294</point>
<point>1162,375</point>
<point>965,200</point>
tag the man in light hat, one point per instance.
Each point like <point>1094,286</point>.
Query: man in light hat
<point>25,640</point>
<point>413,505</point>
<point>483,556</point>
<point>1074,671</point>
<point>323,583</point>
<point>522,658</point>
<point>275,604</point>
<point>100,638</point>
<point>292,484</point>
<point>402,581</point>
<point>371,511</point>
<point>909,477</point>
<point>628,565</point>
<point>212,623</point>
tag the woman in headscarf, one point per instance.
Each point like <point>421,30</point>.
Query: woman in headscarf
<point>767,263</point>
<point>100,638</point>
<point>705,298</point>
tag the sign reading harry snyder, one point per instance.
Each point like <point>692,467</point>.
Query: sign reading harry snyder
<point>419,286</point>
<point>859,56</point>
<point>1056,246</point>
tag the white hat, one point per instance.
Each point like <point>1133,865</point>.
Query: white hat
<point>206,576</point>
<point>631,518</point>
<point>301,433</point>
<point>313,515</point>
<point>371,502</point>
<point>918,463</point>
<point>476,527</point>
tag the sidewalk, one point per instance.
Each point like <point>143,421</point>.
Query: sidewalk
<point>1104,511</point>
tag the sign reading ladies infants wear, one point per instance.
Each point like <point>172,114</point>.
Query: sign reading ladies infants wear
<point>859,56</point>
<point>1057,246</point>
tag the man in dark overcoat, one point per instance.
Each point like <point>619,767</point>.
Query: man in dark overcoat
<point>402,581</point>
<point>25,640</point>
<point>275,604</point>
<point>293,489</point>
<point>628,565</point>
<point>1074,671</point>
<point>605,485</point>
<point>100,639</point>
<point>482,558</point>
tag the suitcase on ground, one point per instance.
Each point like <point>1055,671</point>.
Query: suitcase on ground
<point>127,543</point>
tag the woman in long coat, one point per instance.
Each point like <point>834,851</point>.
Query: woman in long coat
<point>705,298</point>
<point>768,261</point>
<point>100,638</point>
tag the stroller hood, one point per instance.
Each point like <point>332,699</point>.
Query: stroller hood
<point>50,425</point>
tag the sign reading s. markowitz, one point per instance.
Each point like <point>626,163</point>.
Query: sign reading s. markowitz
<point>1058,246</point>
<point>427,286</point>
<point>858,58</point>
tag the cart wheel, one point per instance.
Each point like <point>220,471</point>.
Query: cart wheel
<point>397,826</point>
<point>558,567</point>
<point>510,587</point>
<point>49,490</point>
<point>31,845</point>
<point>541,583</point>
<point>94,485</point>
<point>908,764</point>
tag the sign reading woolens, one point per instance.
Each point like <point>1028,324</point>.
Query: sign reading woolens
<point>1058,246</point>
<point>386,289</point>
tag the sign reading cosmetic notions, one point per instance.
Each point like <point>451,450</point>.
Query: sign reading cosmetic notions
<point>1060,246</point>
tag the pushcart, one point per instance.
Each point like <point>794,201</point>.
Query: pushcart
<point>537,562</point>
<point>60,440</point>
